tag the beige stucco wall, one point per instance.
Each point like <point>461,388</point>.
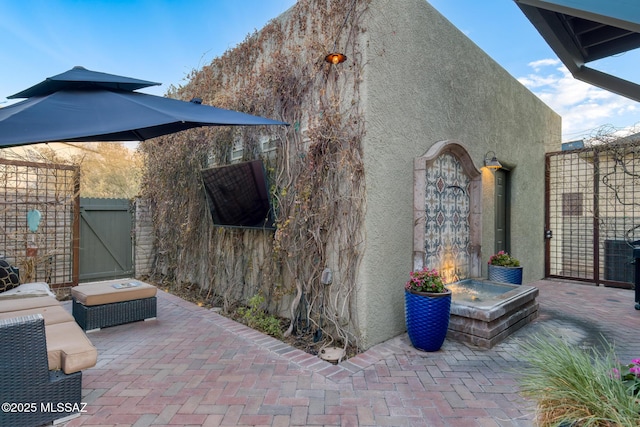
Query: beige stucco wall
<point>425,81</point>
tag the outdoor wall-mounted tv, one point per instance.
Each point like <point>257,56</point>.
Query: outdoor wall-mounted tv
<point>238,195</point>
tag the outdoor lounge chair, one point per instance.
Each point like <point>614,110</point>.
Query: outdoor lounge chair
<point>30,393</point>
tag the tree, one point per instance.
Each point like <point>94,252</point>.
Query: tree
<point>109,169</point>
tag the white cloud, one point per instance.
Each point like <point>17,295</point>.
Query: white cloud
<point>583,107</point>
<point>536,65</point>
<point>533,81</point>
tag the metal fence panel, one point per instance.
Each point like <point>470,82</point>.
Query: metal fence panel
<point>39,219</point>
<point>592,211</point>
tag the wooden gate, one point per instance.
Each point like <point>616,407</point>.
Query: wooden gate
<point>592,213</point>
<point>106,244</point>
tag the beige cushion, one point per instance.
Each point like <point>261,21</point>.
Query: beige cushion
<point>33,289</point>
<point>105,292</point>
<point>17,304</point>
<point>52,314</point>
<point>68,348</point>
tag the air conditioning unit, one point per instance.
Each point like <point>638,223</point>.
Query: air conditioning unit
<point>618,261</point>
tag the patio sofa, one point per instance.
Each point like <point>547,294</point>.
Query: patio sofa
<point>42,354</point>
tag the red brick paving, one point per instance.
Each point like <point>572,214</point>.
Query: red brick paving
<point>193,367</point>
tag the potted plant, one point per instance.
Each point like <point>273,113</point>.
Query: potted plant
<point>427,309</point>
<point>505,268</point>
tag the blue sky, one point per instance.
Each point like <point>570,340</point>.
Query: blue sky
<point>164,40</point>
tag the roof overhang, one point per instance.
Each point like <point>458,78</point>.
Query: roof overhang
<point>582,31</point>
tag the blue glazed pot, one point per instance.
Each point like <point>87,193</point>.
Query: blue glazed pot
<point>512,275</point>
<point>427,318</point>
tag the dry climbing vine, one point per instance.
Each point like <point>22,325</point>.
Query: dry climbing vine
<point>316,173</point>
<point>617,171</point>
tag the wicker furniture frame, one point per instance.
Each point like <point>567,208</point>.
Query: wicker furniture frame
<point>91,317</point>
<point>26,381</point>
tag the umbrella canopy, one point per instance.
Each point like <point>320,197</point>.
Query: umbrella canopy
<point>82,105</point>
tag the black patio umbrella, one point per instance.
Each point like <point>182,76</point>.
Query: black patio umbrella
<point>82,105</point>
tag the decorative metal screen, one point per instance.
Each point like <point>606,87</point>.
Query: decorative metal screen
<point>593,213</point>
<point>447,218</point>
<point>39,220</point>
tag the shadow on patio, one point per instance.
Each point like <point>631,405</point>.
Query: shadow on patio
<point>192,366</point>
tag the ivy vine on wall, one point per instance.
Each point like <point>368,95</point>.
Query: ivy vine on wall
<point>316,172</point>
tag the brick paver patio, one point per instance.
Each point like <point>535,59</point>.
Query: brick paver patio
<point>193,367</point>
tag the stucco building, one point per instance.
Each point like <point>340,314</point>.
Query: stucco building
<point>427,106</point>
<point>433,84</point>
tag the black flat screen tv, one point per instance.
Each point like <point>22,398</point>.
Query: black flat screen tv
<point>238,195</point>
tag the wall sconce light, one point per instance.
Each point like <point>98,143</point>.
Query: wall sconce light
<point>492,162</point>
<point>335,58</point>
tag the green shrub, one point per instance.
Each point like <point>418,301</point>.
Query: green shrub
<point>256,318</point>
<point>574,386</point>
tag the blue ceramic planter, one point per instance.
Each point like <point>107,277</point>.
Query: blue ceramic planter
<point>427,318</point>
<point>512,275</point>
